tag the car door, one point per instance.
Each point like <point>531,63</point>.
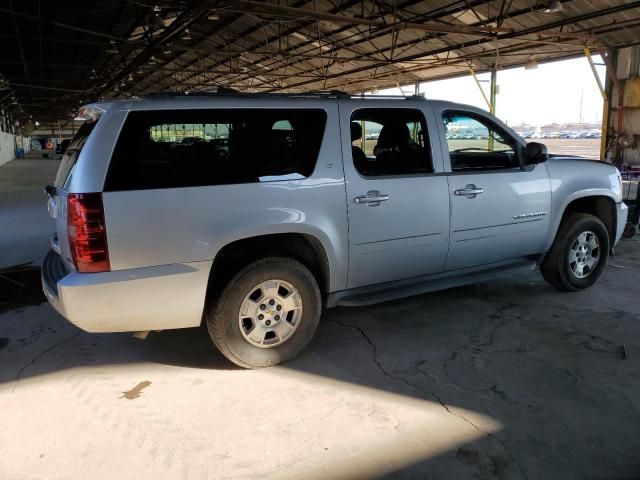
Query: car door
<point>398,202</point>
<point>499,211</point>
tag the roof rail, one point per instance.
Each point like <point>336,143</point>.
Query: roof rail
<point>390,97</point>
<point>225,91</point>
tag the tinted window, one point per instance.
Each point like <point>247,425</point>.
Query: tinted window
<point>65,171</point>
<point>390,141</point>
<point>475,144</point>
<point>183,148</point>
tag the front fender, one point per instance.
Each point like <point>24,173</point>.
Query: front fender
<point>573,179</point>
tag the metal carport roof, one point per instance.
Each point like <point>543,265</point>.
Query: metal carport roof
<point>57,55</point>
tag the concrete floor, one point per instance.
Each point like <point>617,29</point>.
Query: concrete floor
<point>505,380</point>
<point>25,223</point>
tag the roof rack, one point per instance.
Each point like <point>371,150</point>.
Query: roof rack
<point>390,97</point>
<point>225,91</point>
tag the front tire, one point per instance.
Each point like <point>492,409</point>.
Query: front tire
<point>579,253</point>
<point>267,314</point>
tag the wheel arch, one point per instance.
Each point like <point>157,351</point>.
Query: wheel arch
<point>237,254</point>
<point>600,203</point>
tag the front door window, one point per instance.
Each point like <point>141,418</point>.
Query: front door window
<point>475,144</point>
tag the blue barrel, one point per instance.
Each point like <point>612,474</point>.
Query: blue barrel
<point>19,152</point>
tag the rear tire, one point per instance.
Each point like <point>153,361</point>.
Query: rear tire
<point>267,314</point>
<point>579,253</point>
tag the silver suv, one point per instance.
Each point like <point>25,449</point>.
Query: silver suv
<point>253,212</point>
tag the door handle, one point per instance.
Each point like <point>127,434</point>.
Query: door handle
<point>372,198</point>
<point>469,191</point>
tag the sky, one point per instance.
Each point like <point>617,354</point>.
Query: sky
<point>550,93</point>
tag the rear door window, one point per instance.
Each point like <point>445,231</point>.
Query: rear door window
<point>390,141</point>
<point>185,148</point>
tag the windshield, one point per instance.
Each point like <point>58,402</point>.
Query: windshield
<point>65,171</point>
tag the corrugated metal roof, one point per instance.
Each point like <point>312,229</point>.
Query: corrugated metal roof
<point>58,54</point>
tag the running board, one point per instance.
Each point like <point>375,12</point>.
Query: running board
<point>393,291</point>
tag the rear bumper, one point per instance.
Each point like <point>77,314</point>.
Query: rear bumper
<point>622,211</point>
<point>152,298</point>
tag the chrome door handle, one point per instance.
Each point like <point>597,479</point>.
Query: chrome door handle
<point>372,198</point>
<point>469,191</point>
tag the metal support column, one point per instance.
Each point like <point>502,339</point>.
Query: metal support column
<point>363,144</point>
<point>605,108</point>
<point>494,90</point>
<point>492,98</point>
<point>484,95</point>
<point>611,61</point>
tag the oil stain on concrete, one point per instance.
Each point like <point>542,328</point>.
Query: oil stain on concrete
<point>136,391</point>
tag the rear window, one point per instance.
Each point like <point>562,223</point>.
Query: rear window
<point>65,171</point>
<point>185,148</point>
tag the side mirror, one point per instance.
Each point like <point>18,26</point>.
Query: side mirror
<point>535,153</point>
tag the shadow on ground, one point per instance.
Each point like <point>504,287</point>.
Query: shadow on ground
<point>560,372</point>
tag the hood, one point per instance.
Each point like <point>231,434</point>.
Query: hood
<point>561,156</point>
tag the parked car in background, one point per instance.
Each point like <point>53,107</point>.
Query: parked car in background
<point>61,148</point>
<point>276,212</point>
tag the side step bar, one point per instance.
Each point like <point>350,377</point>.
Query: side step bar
<point>393,291</point>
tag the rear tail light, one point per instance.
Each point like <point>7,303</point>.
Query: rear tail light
<point>87,232</point>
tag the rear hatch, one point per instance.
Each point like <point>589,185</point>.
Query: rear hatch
<point>58,192</point>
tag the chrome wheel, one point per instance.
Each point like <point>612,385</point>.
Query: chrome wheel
<point>270,313</point>
<point>584,254</point>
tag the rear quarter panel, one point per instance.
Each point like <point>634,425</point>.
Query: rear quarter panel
<point>192,224</point>
<point>89,171</point>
